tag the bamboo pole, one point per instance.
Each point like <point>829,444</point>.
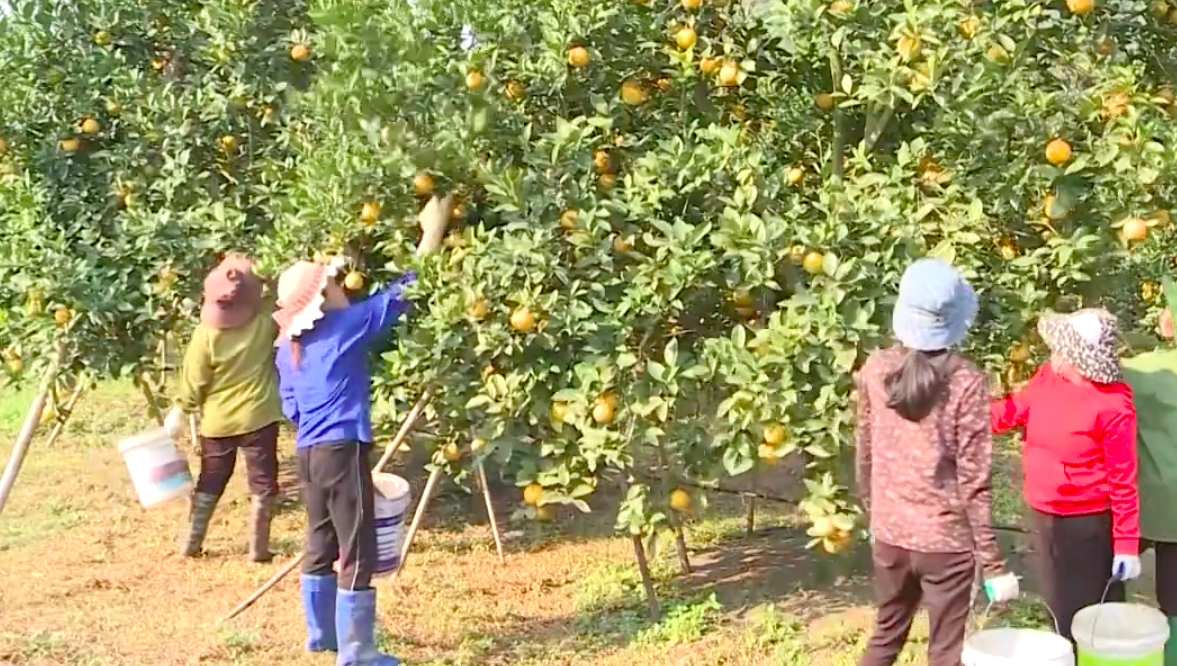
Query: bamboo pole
<point>490,512</point>
<point>418,516</point>
<point>293,564</point>
<point>412,417</point>
<point>32,419</point>
<point>149,395</point>
<point>66,413</point>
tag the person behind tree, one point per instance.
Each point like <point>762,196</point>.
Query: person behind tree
<point>1153,378</point>
<point>325,383</point>
<point>1079,464</point>
<point>923,454</point>
<point>228,378</point>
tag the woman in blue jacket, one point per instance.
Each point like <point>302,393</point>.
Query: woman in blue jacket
<point>325,384</point>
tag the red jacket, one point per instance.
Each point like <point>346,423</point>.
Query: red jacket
<point>1079,455</point>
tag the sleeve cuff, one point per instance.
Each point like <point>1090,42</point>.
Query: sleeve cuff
<point>1126,546</point>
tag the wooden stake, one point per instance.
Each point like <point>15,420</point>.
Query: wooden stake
<point>680,543</point>
<point>294,563</point>
<point>490,512</point>
<point>17,457</point>
<point>639,552</point>
<point>149,395</point>
<point>418,516</point>
<point>66,413</point>
<point>751,500</point>
<point>412,417</point>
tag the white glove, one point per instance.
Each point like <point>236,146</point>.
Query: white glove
<point>1003,588</point>
<point>1126,567</point>
<point>174,423</point>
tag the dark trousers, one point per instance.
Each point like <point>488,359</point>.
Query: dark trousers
<point>1166,568</point>
<point>340,501</point>
<point>942,582</point>
<point>218,456</point>
<point>1073,556</point>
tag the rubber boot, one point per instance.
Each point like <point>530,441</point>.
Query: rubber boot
<point>355,621</point>
<point>1171,646</point>
<point>261,511</point>
<point>200,514</point>
<point>318,605</point>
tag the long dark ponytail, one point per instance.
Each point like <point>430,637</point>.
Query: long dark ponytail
<point>915,387</point>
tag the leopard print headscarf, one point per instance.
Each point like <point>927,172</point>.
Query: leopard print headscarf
<point>1087,339</point>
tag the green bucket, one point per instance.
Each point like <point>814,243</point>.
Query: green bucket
<point>1115,634</point>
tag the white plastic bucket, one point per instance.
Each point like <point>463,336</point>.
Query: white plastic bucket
<point>1117,634</point>
<point>157,469</point>
<point>392,503</point>
<point>1017,647</point>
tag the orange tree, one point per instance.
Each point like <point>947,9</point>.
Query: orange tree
<point>679,224</point>
<point>136,140</point>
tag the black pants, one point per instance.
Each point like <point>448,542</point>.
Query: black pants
<point>904,579</point>
<point>1074,561</point>
<point>337,490</point>
<point>218,457</point>
<point>1166,583</point>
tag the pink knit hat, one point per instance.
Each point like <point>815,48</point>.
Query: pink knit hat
<point>232,293</point>
<point>301,297</point>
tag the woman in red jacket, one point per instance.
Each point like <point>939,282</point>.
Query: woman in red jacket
<point>1079,464</point>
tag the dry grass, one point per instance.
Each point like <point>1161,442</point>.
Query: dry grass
<point>88,578</point>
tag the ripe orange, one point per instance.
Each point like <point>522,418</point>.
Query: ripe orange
<point>603,411</point>
<point>477,444</point>
<point>1114,105</point>
<point>568,219</point>
<point>685,37</point>
<point>1019,353</point>
<point>354,281</point>
<point>909,47</point>
<point>1054,209</point>
<point>1160,8</point>
<point>474,79</point>
<point>823,527</point>
<point>458,211</point>
<point>742,298</point>
<point>607,181</point>
<point>477,310</point>
<point>159,63</point>
<point>997,53</point>
<point>423,184</point>
<point>370,212</point>
<point>767,454</point>
<point>795,175</point>
<point>3,145</point>
<point>708,65</point>
<point>1080,7</point>
<point>533,493</point>
<point>61,316</point>
<point>578,56</point>
<point>451,453</point>
<point>634,93</point>
<point>1149,290</point>
<point>824,101</point>
<point>228,142</point>
<point>969,26</point>
<point>691,5</point>
<point>841,7</point>
<point>522,319</point>
<point>601,160</point>
<point>1008,250</point>
<point>813,263</point>
<point>774,434</point>
<point>113,108</point>
<point>101,37</point>
<point>680,500</point>
<point>299,52</point>
<point>515,90</point>
<point>621,245</point>
<point>746,312</point>
<point>729,74</point>
<point>1058,152</point>
<point>1134,229</point>
<point>664,84</point>
<point>70,144</point>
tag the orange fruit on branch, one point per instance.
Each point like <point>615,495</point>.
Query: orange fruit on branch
<point>1134,229</point>
<point>370,212</point>
<point>1080,7</point>
<point>354,281</point>
<point>423,184</point>
<point>533,493</point>
<point>729,74</point>
<point>69,145</point>
<point>680,500</point>
<point>1058,152</point>
<point>813,263</point>
<point>477,310</point>
<point>89,126</point>
<point>62,316</point>
<point>634,93</point>
<point>824,101</point>
<point>708,65</point>
<point>685,37</point>
<point>774,434</point>
<point>568,219</point>
<point>522,319</point>
<point>474,79</point>
<point>299,52</point>
<point>603,411</point>
<point>451,453</point>
<point>795,176</point>
<point>578,56</point>
<point>515,90</point>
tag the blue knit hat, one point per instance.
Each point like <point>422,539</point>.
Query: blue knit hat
<point>935,307</point>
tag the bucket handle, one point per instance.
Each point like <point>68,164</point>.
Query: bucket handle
<point>977,621</point>
<point>1102,600</point>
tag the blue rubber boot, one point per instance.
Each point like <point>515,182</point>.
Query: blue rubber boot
<point>355,620</point>
<point>318,604</point>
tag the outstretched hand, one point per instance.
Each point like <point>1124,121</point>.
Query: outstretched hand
<point>433,220</point>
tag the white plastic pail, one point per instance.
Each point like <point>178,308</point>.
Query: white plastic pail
<point>1017,647</point>
<point>157,469</point>
<point>392,503</point>
<point>1117,634</point>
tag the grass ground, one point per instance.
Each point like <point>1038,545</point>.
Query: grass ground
<point>89,578</point>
